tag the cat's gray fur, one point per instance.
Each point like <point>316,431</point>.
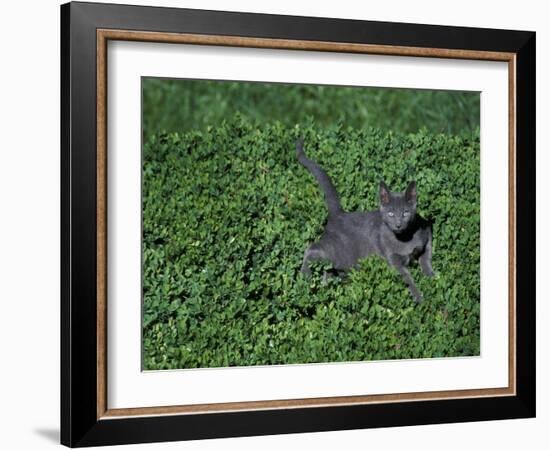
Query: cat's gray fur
<point>394,231</point>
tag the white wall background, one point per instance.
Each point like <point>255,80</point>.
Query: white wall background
<point>29,224</point>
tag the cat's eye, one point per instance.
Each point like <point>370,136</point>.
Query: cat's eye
<point>406,213</point>
<point>390,214</point>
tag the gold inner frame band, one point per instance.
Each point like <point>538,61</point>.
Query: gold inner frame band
<point>103,36</point>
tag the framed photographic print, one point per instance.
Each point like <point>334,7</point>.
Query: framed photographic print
<point>276,224</point>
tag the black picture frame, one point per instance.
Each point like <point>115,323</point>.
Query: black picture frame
<point>80,425</point>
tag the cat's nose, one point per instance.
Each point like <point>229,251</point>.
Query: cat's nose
<point>398,226</point>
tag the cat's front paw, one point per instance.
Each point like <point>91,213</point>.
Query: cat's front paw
<point>427,269</point>
<point>418,297</point>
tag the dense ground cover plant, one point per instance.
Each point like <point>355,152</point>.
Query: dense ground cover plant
<point>228,212</point>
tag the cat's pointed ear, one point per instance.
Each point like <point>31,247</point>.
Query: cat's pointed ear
<point>384,194</point>
<point>410,193</point>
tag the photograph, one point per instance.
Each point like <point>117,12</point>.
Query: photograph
<point>281,222</point>
<point>298,223</point>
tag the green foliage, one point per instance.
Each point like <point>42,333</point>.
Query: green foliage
<point>228,213</point>
<point>180,105</point>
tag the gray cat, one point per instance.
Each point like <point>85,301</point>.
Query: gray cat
<point>394,231</point>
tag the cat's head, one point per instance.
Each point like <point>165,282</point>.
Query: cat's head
<point>398,208</point>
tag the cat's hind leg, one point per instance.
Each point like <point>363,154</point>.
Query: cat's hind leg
<point>313,253</point>
<point>328,274</point>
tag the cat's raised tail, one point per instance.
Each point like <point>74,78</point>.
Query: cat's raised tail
<point>331,196</point>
